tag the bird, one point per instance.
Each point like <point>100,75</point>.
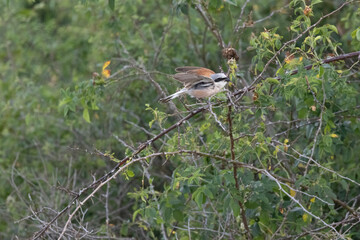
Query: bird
<point>199,82</point>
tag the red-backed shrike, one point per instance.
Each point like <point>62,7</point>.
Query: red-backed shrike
<point>198,82</point>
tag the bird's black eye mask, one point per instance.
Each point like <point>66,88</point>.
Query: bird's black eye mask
<point>222,79</point>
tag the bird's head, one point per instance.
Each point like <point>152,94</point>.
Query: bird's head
<point>219,77</point>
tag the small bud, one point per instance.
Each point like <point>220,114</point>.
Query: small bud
<point>95,75</point>
<point>307,11</point>
<point>255,96</point>
<point>289,57</point>
<point>230,53</point>
<point>313,108</point>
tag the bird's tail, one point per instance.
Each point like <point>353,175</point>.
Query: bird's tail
<point>172,96</point>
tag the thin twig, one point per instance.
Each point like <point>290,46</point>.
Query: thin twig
<point>319,128</point>
<point>216,118</point>
<point>210,23</point>
<point>236,28</point>
<point>243,214</point>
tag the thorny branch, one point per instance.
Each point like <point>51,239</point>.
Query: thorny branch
<point>243,214</point>
<point>210,23</point>
<point>96,185</point>
<point>245,25</point>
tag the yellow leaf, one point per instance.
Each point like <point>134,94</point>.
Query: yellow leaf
<point>292,193</point>
<point>106,72</point>
<point>305,217</point>
<point>276,150</point>
<point>265,35</point>
<point>301,165</point>
<point>286,147</point>
<point>106,64</point>
<point>333,135</point>
<point>312,200</point>
<point>300,59</point>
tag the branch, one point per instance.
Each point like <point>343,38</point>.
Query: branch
<point>243,214</point>
<point>319,128</point>
<point>211,25</point>
<point>329,60</point>
<point>236,29</point>
<point>245,25</point>
<point>347,207</point>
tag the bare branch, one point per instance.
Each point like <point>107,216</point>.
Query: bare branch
<point>210,23</point>
<point>243,214</point>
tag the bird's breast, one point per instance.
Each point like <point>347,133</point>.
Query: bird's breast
<point>205,93</point>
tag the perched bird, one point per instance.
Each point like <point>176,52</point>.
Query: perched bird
<point>198,82</point>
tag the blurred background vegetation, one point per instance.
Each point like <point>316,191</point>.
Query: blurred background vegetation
<point>59,129</point>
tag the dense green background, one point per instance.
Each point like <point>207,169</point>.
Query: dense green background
<point>59,130</point>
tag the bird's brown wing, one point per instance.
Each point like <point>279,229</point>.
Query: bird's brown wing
<point>196,70</point>
<point>190,75</point>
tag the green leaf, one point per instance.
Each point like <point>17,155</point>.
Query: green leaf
<point>86,115</point>
<point>112,4</point>
<point>332,27</point>
<point>234,205</point>
<point>136,213</point>
<point>313,2</point>
<point>65,101</point>
<point>130,173</point>
<point>278,44</point>
<point>321,71</point>
<point>66,111</point>
<point>273,80</point>
<point>184,8</point>
<point>280,71</point>
<point>358,34</point>
<point>94,106</point>
<point>200,199</point>
<point>178,215</point>
<point>208,193</point>
<point>150,212</point>
<point>302,113</point>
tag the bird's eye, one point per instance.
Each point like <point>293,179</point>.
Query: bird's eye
<point>221,79</point>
